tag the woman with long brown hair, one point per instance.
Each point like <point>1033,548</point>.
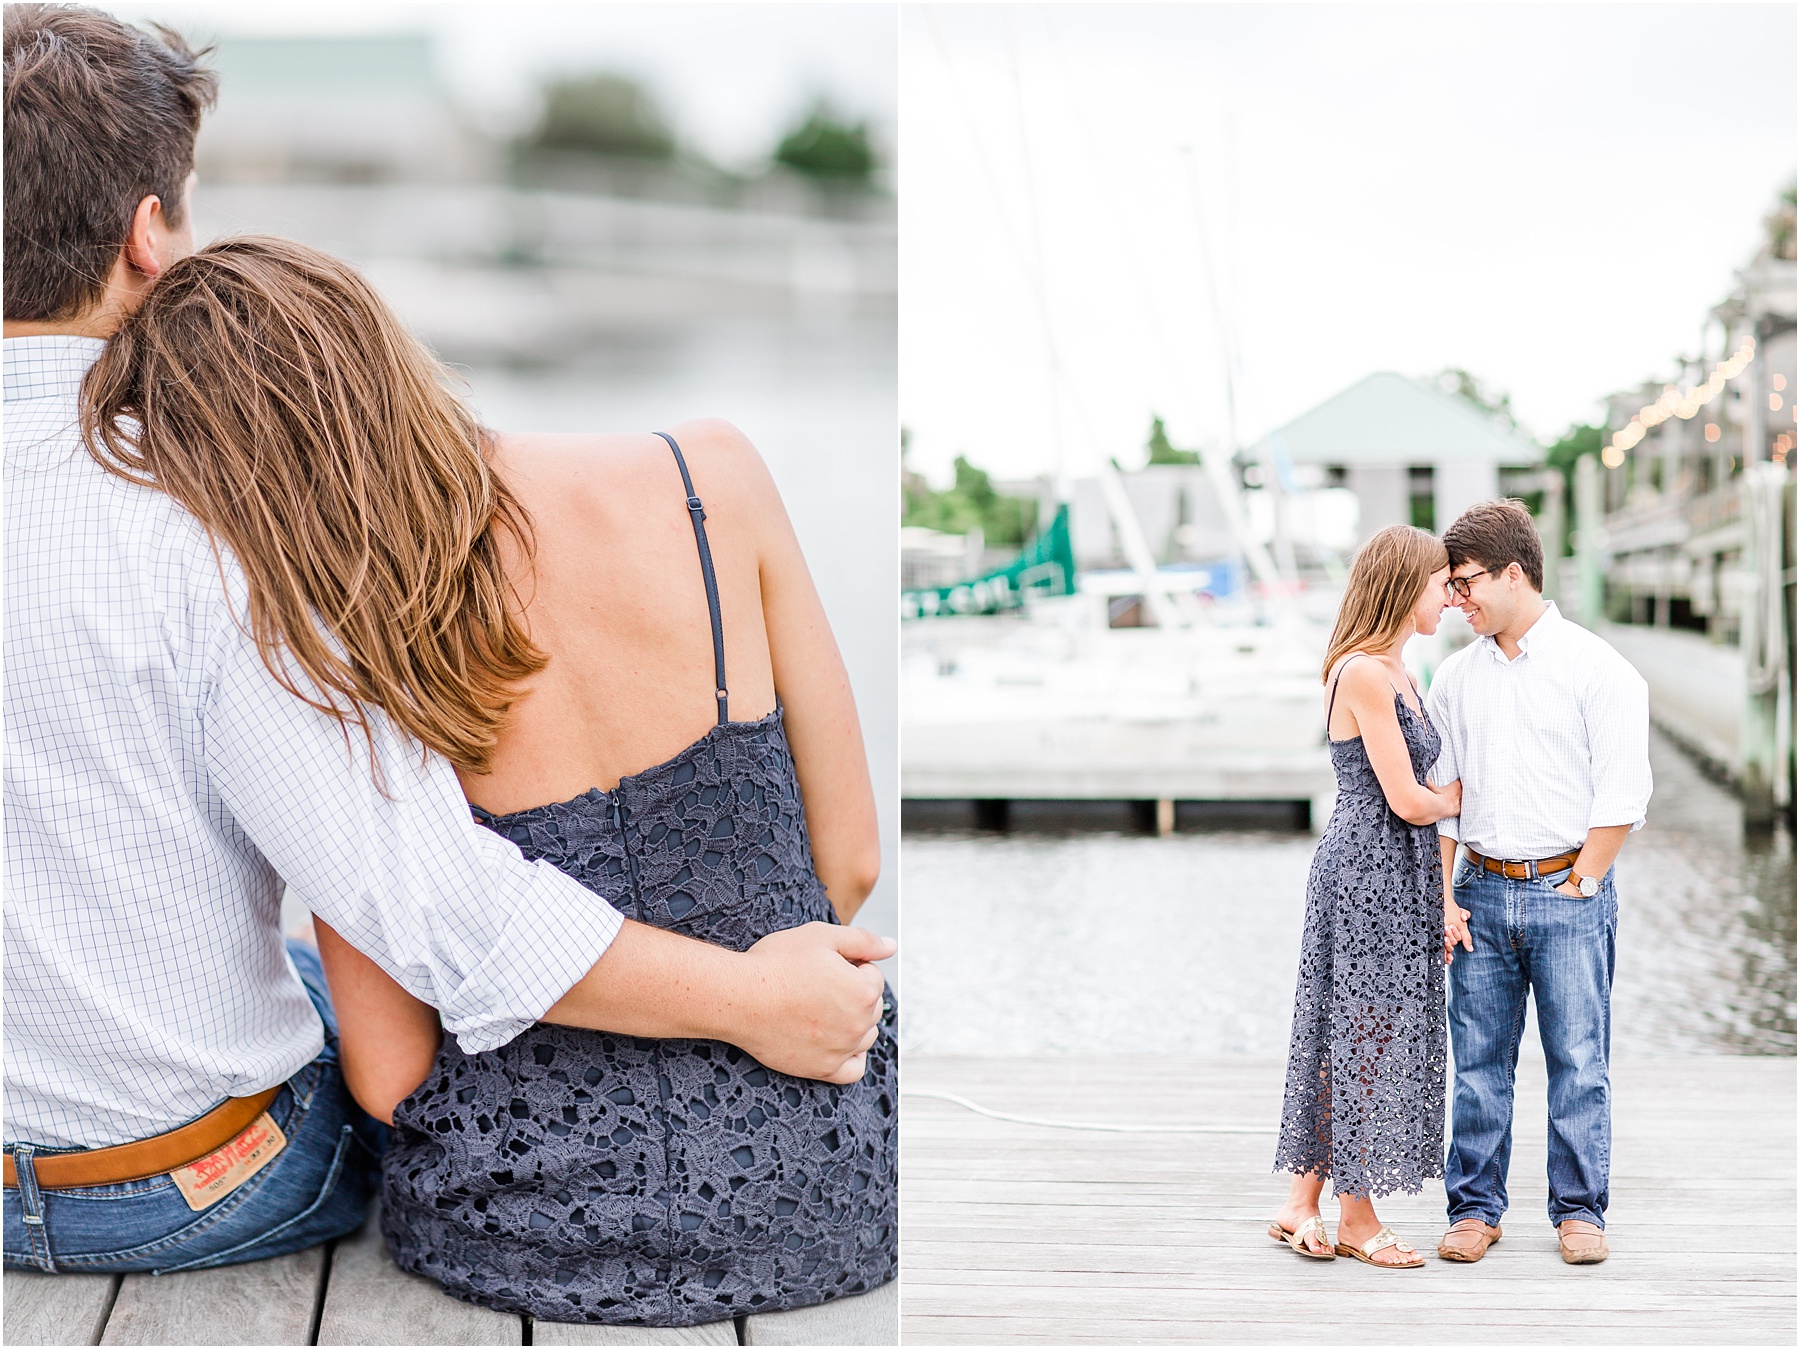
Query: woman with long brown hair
<point>1366,1059</point>
<point>615,640</point>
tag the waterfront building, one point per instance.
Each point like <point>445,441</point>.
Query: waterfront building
<point>1686,521</point>
<point>366,109</point>
<point>1408,451</point>
<point>1673,481</point>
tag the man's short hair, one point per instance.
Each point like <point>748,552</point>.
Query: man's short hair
<point>1495,533</point>
<point>99,115</point>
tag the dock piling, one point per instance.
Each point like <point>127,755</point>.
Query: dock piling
<point>1590,595</point>
<point>1763,638</point>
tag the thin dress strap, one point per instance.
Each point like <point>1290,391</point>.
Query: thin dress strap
<point>697,513</point>
<point>1334,688</point>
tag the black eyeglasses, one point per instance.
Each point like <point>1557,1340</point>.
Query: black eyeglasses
<point>1459,585</point>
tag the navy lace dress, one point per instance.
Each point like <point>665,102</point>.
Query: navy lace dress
<point>1366,1056</point>
<point>582,1176</point>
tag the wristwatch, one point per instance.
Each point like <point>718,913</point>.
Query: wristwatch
<point>1588,885</point>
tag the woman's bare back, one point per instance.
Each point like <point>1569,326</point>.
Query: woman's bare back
<point>615,598</point>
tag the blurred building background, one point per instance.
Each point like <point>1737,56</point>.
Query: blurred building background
<point>1668,524</point>
<point>590,252</point>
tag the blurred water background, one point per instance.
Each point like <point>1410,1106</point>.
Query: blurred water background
<point>1078,934</point>
<point>612,218</point>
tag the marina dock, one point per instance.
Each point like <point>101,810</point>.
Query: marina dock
<point>1059,708</point>
<point>1016,1234</point>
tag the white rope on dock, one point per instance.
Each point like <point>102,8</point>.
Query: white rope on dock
<point>979,1109</point>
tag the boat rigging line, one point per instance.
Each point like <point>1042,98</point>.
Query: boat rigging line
<point>1137,551</point>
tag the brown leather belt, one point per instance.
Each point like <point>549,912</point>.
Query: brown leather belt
<point>150,1156</point>
<point>1525,871</point>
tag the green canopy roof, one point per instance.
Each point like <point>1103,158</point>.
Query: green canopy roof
<point>1389,419</point>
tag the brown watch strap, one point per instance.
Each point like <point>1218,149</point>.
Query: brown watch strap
<point>150,1156</point>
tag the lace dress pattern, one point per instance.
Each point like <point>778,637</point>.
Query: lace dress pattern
<point>582,1176</point>
<point>1366,1055</point>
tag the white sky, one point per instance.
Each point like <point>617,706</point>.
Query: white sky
<point>732,77</point>
<point>1551,196</point>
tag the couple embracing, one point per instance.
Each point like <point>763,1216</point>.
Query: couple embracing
<point>1475,830</point>
<point>524,721</point>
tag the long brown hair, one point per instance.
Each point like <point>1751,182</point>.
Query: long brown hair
<point>1386,580</point>
<point>267,388</point>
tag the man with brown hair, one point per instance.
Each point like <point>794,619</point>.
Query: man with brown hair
<point>1548,729</point>
<point>173,1094</point>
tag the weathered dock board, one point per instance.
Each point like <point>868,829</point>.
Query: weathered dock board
<point>1014,1233</point>
<point>350,1292</point>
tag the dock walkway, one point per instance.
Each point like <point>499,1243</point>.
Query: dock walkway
<point>1014,1233</point>
<point>351,1292</point>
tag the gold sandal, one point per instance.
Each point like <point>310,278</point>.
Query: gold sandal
<point>1313,1226</point>
<point>1380,1241</point>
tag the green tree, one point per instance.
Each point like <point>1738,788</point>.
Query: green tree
<point>602,114</point>
<point>1495,402</point>
<point>1161,452</point>
<point>1578,440</point>
<point>1779,225</point>
<point>830,149</point>
<point>970,503</point>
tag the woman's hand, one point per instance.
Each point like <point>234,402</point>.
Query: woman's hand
<point>817,1001</point>
<point>805,1001</point>
<point>1452,795</point>
<point>1456,929</point>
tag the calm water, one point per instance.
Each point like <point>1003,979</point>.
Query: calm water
<point>1054,940</point>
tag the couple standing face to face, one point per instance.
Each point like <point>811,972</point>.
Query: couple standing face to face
<point>1496,600</point>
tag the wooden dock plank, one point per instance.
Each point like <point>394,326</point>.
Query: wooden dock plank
<point>263,1302</point>
<point>371,1300</point>
<point>1018,1234</point>
<point>565,1332</point>
<point>56,1308</point>
<point>871,1318</point>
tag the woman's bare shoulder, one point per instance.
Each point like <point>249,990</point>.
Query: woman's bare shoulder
<point>1358,672</point>
<point>534,454</point>
<point>1365,681</point>
<point>720,458</point>
<point>718,450</point>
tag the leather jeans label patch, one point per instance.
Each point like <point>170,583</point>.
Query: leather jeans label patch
<point>205,1182</point>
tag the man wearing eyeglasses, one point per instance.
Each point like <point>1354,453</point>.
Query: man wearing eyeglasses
<point>1548,729</point>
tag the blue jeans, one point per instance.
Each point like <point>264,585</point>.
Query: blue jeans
<point>317,1187</point>
<point>1530,938</point>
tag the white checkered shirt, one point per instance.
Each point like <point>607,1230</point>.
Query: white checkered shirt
<point>1548,746</point>
<point>160,785</point>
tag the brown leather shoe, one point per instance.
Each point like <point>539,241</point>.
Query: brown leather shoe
<point>1582,1242</point>
<point>1467,1241</point>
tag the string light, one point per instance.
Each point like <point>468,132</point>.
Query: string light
<point>1676,403</point>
